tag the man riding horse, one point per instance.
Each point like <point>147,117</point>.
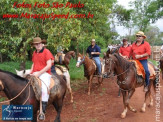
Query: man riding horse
<point>125,49</point>
<point>94,51</point>
<point>141,50</point>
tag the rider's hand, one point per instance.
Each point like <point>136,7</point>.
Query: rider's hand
<point>138,56</point>
<point>92,53</point>
<point>37,74</point>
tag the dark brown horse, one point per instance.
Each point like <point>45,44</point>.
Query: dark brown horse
<point>89,69</point>
<point>67,59</point>
<point>127,80</point>
<point>12,85</point>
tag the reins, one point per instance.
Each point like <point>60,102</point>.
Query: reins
<point>19,95</point>
<point>123,82</point>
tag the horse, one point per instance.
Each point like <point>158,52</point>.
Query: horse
<point>8,81</point>
<point>89,69</point>
<point>59,70</point>
<point>66,59</point>
<point>127,80</point>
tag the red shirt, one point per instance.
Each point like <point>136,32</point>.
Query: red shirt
<point>144,47</point>
<point>40,59</point>
<point>125,51</point>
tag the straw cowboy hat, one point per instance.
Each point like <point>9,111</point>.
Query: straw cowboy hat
<point>140,33</point>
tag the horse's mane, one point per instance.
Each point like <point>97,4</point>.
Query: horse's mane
<point>14,76</point>
<point>123,62</point>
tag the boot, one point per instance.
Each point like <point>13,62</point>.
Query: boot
<point>44,105</point>
<point>145,88</point>
<point>42,115</point>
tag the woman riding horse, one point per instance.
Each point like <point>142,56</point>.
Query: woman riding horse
<point>23,93</point>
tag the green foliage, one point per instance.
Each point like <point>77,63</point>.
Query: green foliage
<point>17,33</point>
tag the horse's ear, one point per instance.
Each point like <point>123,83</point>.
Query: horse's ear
<point>108,52</point>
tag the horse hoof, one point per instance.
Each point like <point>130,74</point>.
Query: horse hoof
<point>71,101</point>
<point>134,110</point>
<point>123,116</point>
<point>150,105</point>
<point>142,110</point>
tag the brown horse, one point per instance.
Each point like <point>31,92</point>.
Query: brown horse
<point>13,84</point>
<point>89,69</point>
<point>67,59</point>
<point>127,79</point>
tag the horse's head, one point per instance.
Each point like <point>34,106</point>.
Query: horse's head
<point>80,60</point>
<point>73,54</point>
<point>109,64</point>
<point>23,73</point>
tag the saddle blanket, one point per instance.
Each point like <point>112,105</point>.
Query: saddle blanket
<point>141,71</point>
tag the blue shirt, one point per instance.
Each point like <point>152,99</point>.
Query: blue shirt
<point>95,49</point>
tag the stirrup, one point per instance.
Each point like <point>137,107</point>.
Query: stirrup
<point>41,116</point>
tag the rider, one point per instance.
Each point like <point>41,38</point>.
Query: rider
<point>94,51</point>
<point>141,50</point>
<point>125,49</point>
<point>59,53</point>
<point>42,61</point>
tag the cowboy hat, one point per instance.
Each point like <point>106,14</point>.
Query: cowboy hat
<point>141,34</point>
<point>37,40</point>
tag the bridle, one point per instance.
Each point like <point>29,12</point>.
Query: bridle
<point>81,62</point>
<point>111,61</point>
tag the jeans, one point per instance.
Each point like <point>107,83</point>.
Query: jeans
<point>147,73</point>
<point>53,70</point>
<point>98,64</point>
<point>60,59</point>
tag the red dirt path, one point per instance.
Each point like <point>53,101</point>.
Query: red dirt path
<point>103,105</point>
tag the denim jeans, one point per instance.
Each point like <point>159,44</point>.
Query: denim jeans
<point>98,64</point>
<point>147,73</point>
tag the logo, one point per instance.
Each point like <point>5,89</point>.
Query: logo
<point>17,112</point>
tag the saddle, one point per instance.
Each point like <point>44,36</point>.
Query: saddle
<point>102,67</point>
<point>57,57</point>
<point>60,69</point>
<point>140,69</point>
<point>36,85</point>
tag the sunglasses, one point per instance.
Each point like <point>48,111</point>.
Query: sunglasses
<point>138,36</point>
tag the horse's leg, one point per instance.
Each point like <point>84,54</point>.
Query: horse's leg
<point>147,94</point>
<point>70,90</point>
<point>130,93</point>
<point>58,107</point>
<point>151,101</point>
<point>100,79</point>
<point>89,84</point>
<point>123,114</point>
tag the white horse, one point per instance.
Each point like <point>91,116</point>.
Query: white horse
<point>64,71</point>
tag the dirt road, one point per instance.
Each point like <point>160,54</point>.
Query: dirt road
<point>103,105</point>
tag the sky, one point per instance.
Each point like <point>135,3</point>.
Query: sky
<point>122,31</point>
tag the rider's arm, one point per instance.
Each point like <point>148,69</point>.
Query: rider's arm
<point>47,67</point>
<point>31,69</point>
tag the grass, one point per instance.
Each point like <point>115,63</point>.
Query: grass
<point>75,73</point>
